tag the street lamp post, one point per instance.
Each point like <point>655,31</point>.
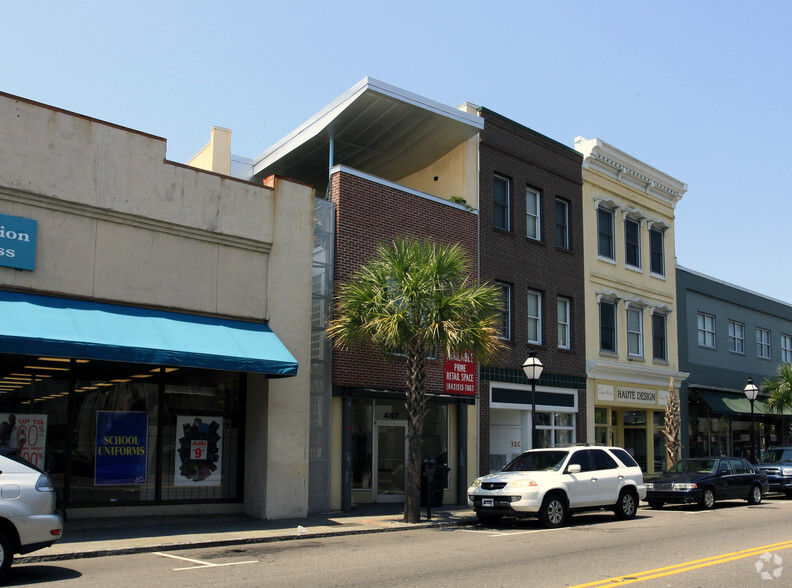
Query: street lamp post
<point>751,392</point>
<point>533,370</point>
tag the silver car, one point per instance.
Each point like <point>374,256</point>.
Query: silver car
<point>28,519</point>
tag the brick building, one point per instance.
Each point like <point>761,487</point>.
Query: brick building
<point>531,244</point>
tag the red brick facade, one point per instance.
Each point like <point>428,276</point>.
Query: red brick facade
<point>369,213</point>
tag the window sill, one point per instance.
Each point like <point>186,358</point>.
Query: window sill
<point>637,358</point>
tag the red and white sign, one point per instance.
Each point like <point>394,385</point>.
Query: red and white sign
<point>198,449</point>
<point>460,375</point>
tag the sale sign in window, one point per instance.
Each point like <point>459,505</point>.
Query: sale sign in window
<point>199,450</point>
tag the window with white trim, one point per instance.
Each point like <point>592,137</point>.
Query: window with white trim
<point>632,242</point>
<point>533,214</point>
<point>786,348</point>
<point>501,203</point>
<point>555,429</point>
<point>504,325</point>
<point>635,332</point>
<point>659,337</point>
<point>762,343</point>
<point>607,311</point>
<point>605,233</point>
<point>534,309</point>
<point>736,337</point>
<point>564,326</point>
<point>656,251</point>
<point>562,223</point>
<point>706,330</point>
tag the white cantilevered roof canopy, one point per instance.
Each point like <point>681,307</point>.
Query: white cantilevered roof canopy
<point>375,128</point>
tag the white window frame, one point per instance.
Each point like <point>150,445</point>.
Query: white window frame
<point>535,319</point>
<point>634,332</point>
<point>564,308</point>
<point>737,337</point>
<point>506,293</point>
<point>786,348</point>
<point>507,220</point>
<point>664,355</point>
<point>661,252</point>
<point>565,204</point>
<point>628,220</point>
<point>614,305</point>
<point>763,343</point>
<point>533,219</point>
<point>705,324</point>
<point>603,212</point>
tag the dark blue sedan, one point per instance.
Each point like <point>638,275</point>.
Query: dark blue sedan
<point>705,480</point>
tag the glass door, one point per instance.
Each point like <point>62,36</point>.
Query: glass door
<point>390,457</point>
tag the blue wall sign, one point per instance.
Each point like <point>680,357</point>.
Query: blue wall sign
<point>120,448</point>
<point>17,242</point>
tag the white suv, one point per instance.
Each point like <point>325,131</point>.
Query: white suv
<point>553,483</point>
<point>28,520</point>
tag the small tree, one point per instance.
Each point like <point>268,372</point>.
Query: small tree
<point>672,426</point>
<point>780,391</point>
<point>412,297</point>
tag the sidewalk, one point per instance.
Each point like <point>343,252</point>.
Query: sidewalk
<point>121,536</point>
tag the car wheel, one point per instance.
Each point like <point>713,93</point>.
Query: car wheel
<point>553,512</point>
<point>488,519</point>
<point>707,499</point>
<point>627,505</point>
<point>756,495</point>
<point>656,504</point>
<point>6,554</point>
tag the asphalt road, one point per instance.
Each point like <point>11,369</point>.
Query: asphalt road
<point>677,546</point>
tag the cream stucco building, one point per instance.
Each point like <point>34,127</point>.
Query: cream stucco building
<point>631,328</point>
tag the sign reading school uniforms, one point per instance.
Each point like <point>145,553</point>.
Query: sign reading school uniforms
<point>120,448</point>
<point>17,242</point>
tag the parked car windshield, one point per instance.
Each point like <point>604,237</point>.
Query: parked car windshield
<point>535,461</point>
<point>778,455</point>
<point>692,466</point>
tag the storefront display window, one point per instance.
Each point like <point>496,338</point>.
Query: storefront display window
<point>555,429</point>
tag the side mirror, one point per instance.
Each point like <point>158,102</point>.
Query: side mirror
<point>574,469</point>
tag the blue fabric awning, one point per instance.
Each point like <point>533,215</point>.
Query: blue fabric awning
<point>43,325</point>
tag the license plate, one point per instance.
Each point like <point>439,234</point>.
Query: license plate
<point>487,502</point>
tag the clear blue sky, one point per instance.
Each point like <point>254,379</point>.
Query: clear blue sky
<point>698,89</point>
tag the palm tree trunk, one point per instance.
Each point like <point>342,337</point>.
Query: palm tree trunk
<point>416,409</point>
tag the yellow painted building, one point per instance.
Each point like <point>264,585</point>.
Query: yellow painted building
<point>631,326</point>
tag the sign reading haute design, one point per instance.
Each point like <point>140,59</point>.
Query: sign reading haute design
<point>17,242</point>
<point>460,374</point>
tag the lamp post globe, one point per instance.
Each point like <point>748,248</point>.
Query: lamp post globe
<point>533,370</point>
<point>751,392</point>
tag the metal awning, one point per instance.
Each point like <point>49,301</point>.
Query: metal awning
<point>730,403</point>
<point>44,325</point>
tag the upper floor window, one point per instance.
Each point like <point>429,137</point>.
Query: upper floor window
<point>534,317</point>
<point>632,242</point>
<point>564,325</point>
<point>635,332</point>
<point>786,348</point>
<point>706,330</point>
<point>502,203</point>
<point>504,326</point>
<point>762,343</point>
<point>736,337</point>
<point>607,326</point>
<point>656,252</point>
<point>605,233</point>
<point>533,214</point>
<point>562,223</point>
<point>659,345</point>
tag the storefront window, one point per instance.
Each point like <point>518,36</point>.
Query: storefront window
<point>362,422</point>
<point>555,429</point>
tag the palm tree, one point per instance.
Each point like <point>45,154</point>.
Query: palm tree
<point>780,390</point>
<point>415,296</point>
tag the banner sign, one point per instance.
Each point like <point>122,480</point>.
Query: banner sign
<point>18,242</point>
<point>120,448</point>
<point>199,450</point>
<point>460,374</point>
<point>26,432</point>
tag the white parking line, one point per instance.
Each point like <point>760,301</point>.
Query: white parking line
<point>508,533</point>
<point>201,564</point>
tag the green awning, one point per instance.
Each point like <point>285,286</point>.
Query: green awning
<point>730,403</point>
<point>46,325</point>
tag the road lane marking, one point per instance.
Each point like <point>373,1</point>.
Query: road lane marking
<point>201,564</point>
<point>687,566</point>
<point>509,533</point>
